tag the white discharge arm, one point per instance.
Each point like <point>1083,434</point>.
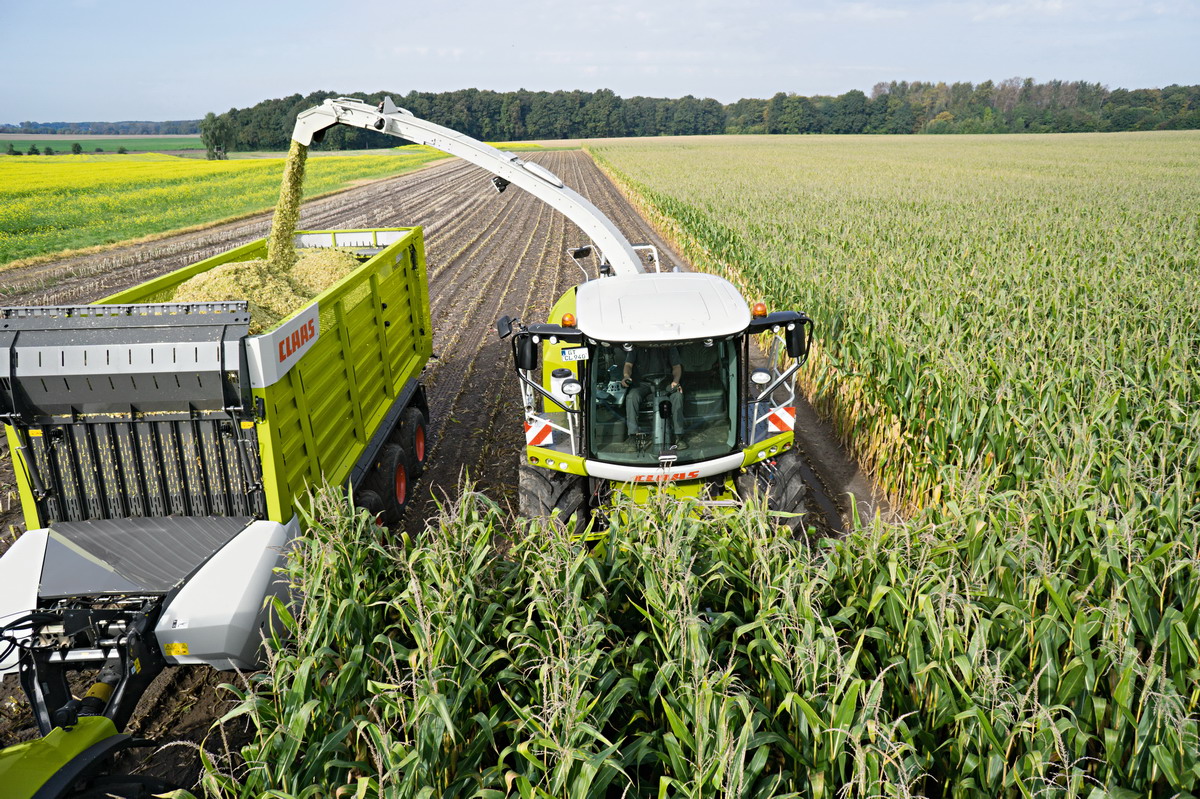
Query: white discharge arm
<point>535,179</point>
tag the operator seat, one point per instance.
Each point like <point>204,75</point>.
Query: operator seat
<point>703,389</point>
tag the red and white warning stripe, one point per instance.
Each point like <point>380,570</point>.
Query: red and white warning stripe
<point>538,433</point>
<point>782,420</point>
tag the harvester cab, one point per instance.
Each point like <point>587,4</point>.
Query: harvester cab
<point>646,384</point>
<point>641,379</point>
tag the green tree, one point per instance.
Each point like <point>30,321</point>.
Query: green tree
<point>12,150</point>
<point>122,151</point>
<point>48,151</point>
<point>76,148</point>
<point>849,113</point>
<point>216,134</point>
<point>33,150</point>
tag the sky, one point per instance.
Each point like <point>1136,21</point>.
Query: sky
<point>111,60</point>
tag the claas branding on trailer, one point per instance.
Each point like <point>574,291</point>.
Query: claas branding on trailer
<point>299,337</point>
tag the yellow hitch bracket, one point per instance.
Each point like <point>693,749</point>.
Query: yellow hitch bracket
<point>768,448</point>
<point>554,460</point>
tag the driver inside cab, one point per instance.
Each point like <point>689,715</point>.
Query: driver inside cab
<point>647,369</point>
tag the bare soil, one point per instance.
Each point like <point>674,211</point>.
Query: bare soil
<point>488,255</point>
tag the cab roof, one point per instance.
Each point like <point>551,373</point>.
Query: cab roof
<point>669,306</point>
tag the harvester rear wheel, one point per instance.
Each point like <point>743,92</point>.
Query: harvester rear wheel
<point>411,434</point>
<point>392,481</point>
<point>541,492</point>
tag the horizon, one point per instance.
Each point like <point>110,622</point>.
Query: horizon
<point>623,97</point>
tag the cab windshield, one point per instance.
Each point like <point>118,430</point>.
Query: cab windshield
<point>656,398</point>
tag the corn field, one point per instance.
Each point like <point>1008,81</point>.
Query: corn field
<point>1010,341</point>
<point>1007,339</point>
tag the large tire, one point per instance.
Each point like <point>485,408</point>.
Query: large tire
<point>411,434</point>
<point>781,479</point>
<point>392,480</point>
<point>371,502</point>
<point>541,492</point>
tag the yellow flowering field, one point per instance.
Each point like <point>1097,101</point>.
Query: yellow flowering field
<point>54,203</point>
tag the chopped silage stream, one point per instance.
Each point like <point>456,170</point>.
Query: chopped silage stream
<point>288,278</point>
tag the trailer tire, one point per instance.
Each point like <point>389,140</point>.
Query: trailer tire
<point>411,434</point>
<point>393,482</point>
<point>541,492</point>
<point>781,480</point>
<point>371,502</point>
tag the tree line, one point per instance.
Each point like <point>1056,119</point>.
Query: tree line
<point>186,127</point>
<point>1015,105</point>
<point>76,149</point>
<point>1011,106</point>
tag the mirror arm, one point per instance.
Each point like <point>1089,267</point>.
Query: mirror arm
<point>766,392</point>
<point>545,393</point>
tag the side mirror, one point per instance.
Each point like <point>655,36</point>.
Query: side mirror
<point>525,353</point>
<point>504,326</point>
<point>798,339</point>
<point>580,253</point>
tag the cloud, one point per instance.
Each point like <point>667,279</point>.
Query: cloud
<point>1019,10</point>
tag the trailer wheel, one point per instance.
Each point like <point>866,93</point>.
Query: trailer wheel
<point>541,492</point>
<point>371,502</point>
<point>393,482</point>
<point>781,480</point>
<point>411,434</point>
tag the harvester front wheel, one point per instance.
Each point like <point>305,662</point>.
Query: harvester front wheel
<point>542,492</point>
<point>125,787</point>
<point>781,480</point>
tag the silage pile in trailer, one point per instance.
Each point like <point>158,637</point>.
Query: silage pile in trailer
<point>318,269</point>
<point>288,278</point>
<point>271,295</point>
